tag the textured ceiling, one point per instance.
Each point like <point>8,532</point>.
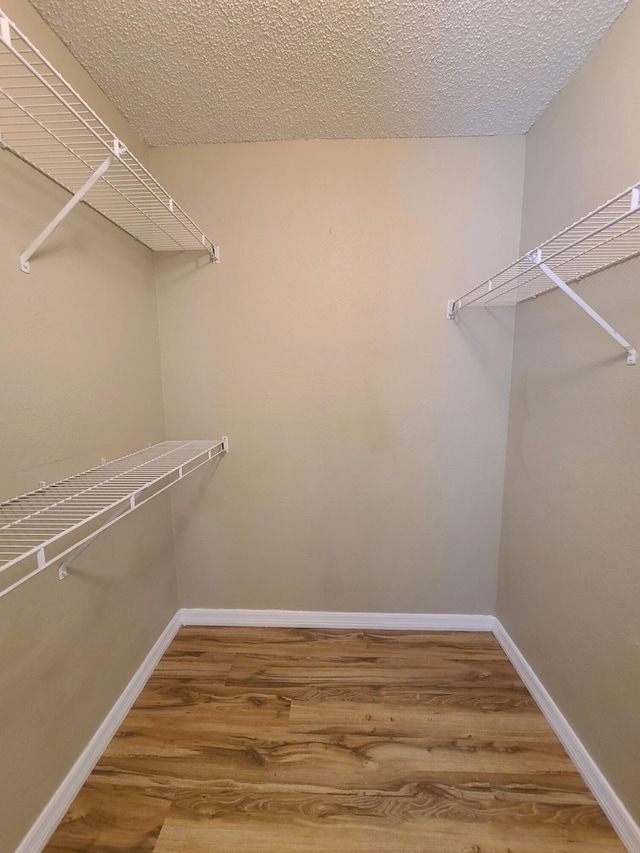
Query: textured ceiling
<point>186,71</point>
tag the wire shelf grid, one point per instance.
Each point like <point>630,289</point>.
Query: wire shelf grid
<point>54,521</point>
<point>602,239</point>
<point>46,123</point>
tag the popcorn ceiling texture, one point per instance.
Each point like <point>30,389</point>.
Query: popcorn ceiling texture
<point>189,71</point>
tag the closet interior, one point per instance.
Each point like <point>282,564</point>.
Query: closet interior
<point>393,468</point>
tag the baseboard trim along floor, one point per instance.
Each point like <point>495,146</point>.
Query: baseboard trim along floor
<point>44,827</point>
<point>327,619</point>
<point>54,811</point>
<point>615,810</point>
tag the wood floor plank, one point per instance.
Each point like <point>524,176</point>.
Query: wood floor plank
<point>445,722</point>
<point>179,714</point>
<point>163,700</point>
<point>426,823</point>
<point>110,820</point>
<point>182,662</point>
<point>283,740</point>
<point>491,697</point>
<point>174,691</point>
<point>563,787</point>
<point>338,762</point>
<point>258,670</point>
<point>310,642</point>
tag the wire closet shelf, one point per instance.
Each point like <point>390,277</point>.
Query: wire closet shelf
<point>606,237</point>
<point>603,238</point>
<point>47,124</point>
<point>56,522</point>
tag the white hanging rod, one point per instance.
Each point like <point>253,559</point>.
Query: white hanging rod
<point>606,237</point>
<point>46,123</point>
<point>56,523</point>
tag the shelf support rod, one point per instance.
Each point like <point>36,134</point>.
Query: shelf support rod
<point>63,568</point>
<point>5,29</point>
<point>536,260</point>
<point>66,210</point>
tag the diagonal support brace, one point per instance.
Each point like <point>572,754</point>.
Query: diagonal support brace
<point>66,210</point>
<point>536,259</point>
<point>5,29</point>
<point>63,568</point>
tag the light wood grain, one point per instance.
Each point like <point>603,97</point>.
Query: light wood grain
<point>111,819</point>
<point>424,823</point>
<point>298,740</point>
<point>444,722</point>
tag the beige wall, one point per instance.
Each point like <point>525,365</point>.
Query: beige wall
<point>569,581</point>
<point>367,430</point>
<point>79,380</point>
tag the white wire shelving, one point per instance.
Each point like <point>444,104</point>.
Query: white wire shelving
<point>606,237</point>
<point>47,124</point>
<point>57,522</point>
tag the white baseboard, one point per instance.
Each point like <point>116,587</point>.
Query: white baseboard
<point>331,619</point>
<point>615,810</point>
<point>54,811</point>
<point>44,827</point>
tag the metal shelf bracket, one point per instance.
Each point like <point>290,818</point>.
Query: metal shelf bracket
<point>536,259</point>
<point>66,210</point>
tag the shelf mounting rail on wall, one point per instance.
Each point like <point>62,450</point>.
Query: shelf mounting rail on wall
<point>57,522</point>
<point>603,238</point>
<point>47,124</point>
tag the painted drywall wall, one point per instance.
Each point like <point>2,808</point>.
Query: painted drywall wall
<point>79,380</point>
<point>569,588</point>
<point>367,431</point>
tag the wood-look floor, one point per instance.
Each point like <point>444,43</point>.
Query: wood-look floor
<point>283,740</point>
